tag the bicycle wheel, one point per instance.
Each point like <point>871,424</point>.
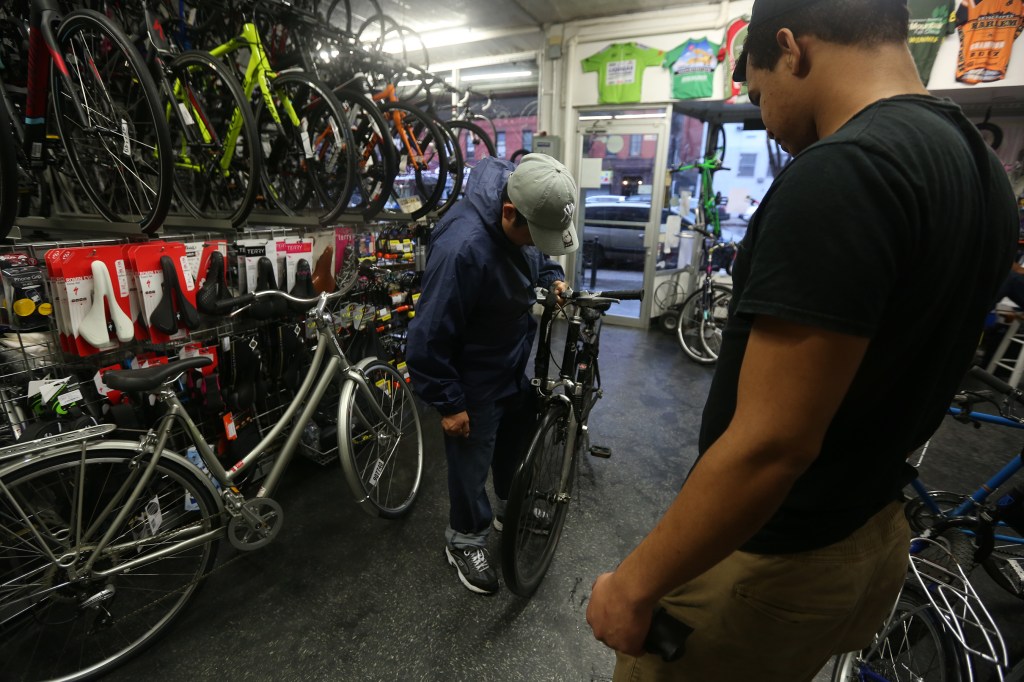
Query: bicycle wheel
<point>455,186</point>
<point>712,324</point>
<point>537,505</point>
<point>216,156</point>
<point>1005,565</point>
<point>57,621</point>
<point>422,161</point>
<point>383,469</point>
<point>217,160</point>
<point>376,161</point>
<point>912,647</point>
<point>690,317</point>
<point>121,152</point>
<point>8,173</point>
<point>308,163</point>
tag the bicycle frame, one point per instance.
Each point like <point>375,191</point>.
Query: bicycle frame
<point>258,74</point>
<point>980,495</point>
<point>308,397</point>
<point>42,52</point>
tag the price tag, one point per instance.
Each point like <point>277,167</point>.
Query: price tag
<point>229,427</point>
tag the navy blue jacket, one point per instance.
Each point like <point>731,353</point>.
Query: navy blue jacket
<point>471,338</point>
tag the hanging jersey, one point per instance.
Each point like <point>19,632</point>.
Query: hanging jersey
<point>692,66</point>
<point>732,46</point>
<point>620,68</point>
<point>930,22</point>
<point>987,30</point>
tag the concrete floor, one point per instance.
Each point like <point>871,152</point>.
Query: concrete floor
<point>342,596</point>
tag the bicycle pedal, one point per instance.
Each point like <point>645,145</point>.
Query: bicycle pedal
<point>600,451</point>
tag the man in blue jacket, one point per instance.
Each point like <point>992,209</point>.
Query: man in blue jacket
<point>470,341</point>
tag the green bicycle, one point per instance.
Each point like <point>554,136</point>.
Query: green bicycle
<point>308,165</point>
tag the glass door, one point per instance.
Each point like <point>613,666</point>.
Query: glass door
<point>622,223</point>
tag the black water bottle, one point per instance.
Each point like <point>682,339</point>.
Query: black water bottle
<point>1010,509</point>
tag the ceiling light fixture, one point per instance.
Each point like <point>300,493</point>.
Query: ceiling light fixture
<point>496,76</point>
<point>652,115</point>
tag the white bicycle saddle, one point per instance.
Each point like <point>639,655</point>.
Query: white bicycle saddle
<point>93,327</point>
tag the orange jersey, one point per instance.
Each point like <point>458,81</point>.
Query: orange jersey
<point>987,30</point>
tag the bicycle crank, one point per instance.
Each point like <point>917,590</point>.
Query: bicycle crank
<point>257,524</point>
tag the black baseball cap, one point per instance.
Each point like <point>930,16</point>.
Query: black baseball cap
<point>763,11</point>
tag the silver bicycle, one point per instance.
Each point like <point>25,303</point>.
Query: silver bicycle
<point>103,542</point>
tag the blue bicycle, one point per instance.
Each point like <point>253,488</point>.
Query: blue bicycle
<point>1005,563</point>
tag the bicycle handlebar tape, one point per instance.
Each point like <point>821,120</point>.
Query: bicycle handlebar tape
<point>625,295</point>
<point>667,636</point>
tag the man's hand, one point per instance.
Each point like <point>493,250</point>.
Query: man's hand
<point>456,425</point>
<point>616,622</point>
<point>559,288</point>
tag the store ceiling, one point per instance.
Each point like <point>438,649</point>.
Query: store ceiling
<point>506,33</point>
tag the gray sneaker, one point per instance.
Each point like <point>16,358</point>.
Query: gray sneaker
<point>474,567</point>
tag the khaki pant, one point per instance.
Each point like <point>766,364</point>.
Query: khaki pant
<point>779,618</point>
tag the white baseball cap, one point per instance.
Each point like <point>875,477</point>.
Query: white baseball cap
<point>545,193</point>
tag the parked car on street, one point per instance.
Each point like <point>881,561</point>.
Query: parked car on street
<point>613,231</point>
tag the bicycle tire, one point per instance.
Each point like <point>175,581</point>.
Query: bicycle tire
<point>468,129</point>
<point>1005,565</point>
<point>913,645</point>
<point>427,156</point>
<point>517,155</point>
<point>529,538</point>
<point>50,629</point>
<point>455,184</point>
<point>126,170</point>
<point>712,326</point>
<point>688,330</point>
<point>383,471</point>
<point>376,159</point>
<point>8,173</point>
<point>307,167</point>
<point>212,99</point>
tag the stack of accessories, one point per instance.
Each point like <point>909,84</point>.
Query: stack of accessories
<point>14,415</point>
<point>204,382</point>
<point>93,297</point>
<point>240,372</point>
<point>25,306</point>
<point>167,290</point>
<point>58,405</point>
<point>323,273</point>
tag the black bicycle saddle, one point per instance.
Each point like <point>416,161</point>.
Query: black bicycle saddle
<point>269,306</point>
<point>303,287</point>
<point>213,290</point>
<point>164,317</point>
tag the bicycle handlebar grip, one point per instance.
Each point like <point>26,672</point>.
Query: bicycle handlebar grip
<point>996,383</point>
<point>625,295</point>
<point>667,636</point>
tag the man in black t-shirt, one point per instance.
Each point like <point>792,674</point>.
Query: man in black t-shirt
<point>860,291</point>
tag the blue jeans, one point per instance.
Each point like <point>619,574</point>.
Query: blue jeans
<point>498,436</point>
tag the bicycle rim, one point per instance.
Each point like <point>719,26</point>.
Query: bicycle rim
<point>53,625</point>
<point>376,161</point>
<point>454,186</point>
<point>473,144</point>
<point>383,468</point>
<point>912,647</point>
<point>216,174</point>
<point>713,321</point>
<point>422,161</point>
<point>536,509</point>
<point>688,325</point>
<point>307,159</point>
<point>121,151</point>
